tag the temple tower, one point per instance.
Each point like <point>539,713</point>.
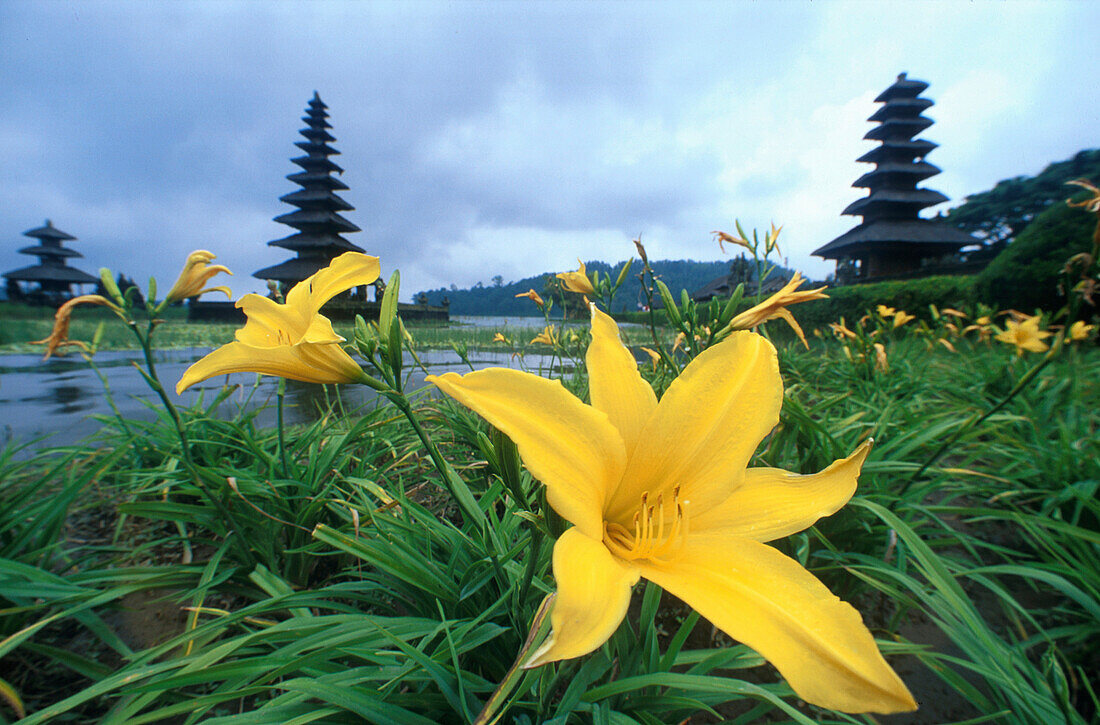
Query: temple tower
<point>52,274</point>
<point>893,240</point>
<point>317,221</point>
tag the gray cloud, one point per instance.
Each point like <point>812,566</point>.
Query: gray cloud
<point>509,137</point>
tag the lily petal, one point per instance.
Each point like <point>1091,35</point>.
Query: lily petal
<point>772,503</point>
<point>616,386</point>
<point>709,423</point>
<point>571,447</point>
<point>306,362</point>
<point>269,324</point>
<point>760,597</point>
<point>350,269</point>
<point>592,599</point>
<point>320,331</point>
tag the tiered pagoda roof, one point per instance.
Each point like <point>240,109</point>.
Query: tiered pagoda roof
<point>52,273</point>
<point>317,221</point>
<point>893,239</point>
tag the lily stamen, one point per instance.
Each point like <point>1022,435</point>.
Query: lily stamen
<point>655,537</point>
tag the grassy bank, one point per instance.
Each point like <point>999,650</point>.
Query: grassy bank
<point>329,576</point>
<point>23,323</point>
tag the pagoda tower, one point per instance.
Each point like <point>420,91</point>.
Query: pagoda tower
<point>893,240</point>
<point>52,274</point>
<point>317,221</point>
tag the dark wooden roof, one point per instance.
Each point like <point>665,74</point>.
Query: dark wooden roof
<point>900,107</point>
<point>898,129</point>
<point>909,232</point>
<point>328,220</point>
<point>316,147</point>
<point>903,87</point>
<point>316,198</point>
<point>316,179</point>
<point>886,199</point>
<point>49,231</point>
<point>890,171</point>
<point>317,163</point>
<point>49,251</point>
<point>317,134</point>
<point>293,270</point>
<point>725,285</point>
<point>889,150</point>
<point>51,273</point>
<point>317,122</point>
<point>333,243</point>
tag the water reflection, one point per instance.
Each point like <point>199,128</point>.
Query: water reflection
<point>68,399</point>
<point>60,398</point>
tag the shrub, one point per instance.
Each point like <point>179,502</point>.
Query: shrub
<point>912,295</point>
<point>1026,274</point>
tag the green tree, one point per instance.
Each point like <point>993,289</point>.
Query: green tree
<point>1004,211</point>
<point>1027,273</point>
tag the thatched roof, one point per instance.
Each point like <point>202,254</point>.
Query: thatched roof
<point>901,107</point>
<point>322,198</point>
<point>890,150</point>
<point>56,252</point>
<point>903,87</point>
<point>894,200</point>
<point>317,217</point>
<point>50,273</point>
<point>49,231</point>
<point>293,270</point>
<point>911,172</point>
<point>331,243</point>
<point>909,232</point>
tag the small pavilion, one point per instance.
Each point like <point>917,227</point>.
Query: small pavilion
<point>51,280</point>
<point>893,240</point>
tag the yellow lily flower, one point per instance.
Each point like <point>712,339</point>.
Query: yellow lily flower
<point>499,337</point>
<point>881,363</point>
<point>771,239</point>
<point>548,336</point>
<point>841,331</point>
<point>1025,335</point>
<point>630,474</point>
<point>654,357</point>
<point>577,281</point>
<point>776,306</point>
<point>532,295</point>
<point>724,238</point>
<point>58,338</point>
<point>1092,203</point>
<point>901,317</point>
<point>1080,331</point>
<point>196,272</point>
<point>954,313</point>
<point>292,340</point>
<point>885,311</point>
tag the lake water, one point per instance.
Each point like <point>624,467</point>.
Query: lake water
<point>59,397</point>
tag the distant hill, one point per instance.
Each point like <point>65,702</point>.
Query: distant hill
<point>501,300</point>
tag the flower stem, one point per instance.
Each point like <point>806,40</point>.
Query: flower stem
<point>280,394</point>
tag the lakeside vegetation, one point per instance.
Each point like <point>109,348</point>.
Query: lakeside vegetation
<point>336,579</point>
<point>407,564</point>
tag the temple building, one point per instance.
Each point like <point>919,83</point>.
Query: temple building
<point>893,240</point>
<point>51,280</point>
<point>317,222</point>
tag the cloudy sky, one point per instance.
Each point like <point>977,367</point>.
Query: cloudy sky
<point>509,137</point>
